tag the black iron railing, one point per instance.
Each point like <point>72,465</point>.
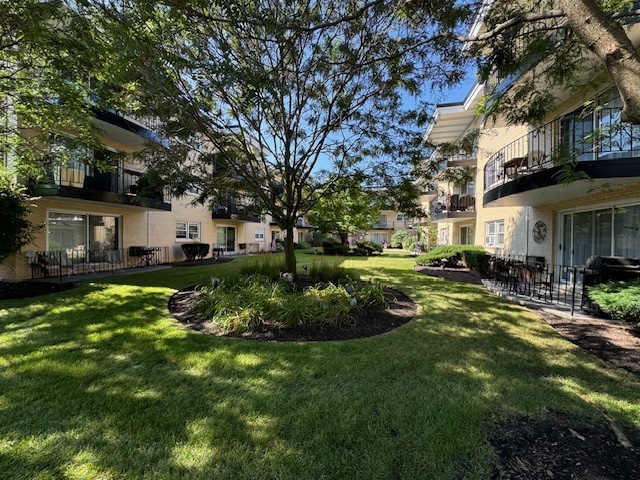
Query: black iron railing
<point>566,139</point>
<point>442,206</point>
<point>532,277</point>
<point>65,263</point>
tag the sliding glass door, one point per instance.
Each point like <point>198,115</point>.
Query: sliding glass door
<point>603,232</point>
<point>79,233</point>
<point>226,238</point>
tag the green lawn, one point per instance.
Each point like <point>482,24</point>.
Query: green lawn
<point>100,382</point>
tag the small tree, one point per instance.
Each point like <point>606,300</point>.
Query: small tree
<point>15,228</point>
<point>346,212</point>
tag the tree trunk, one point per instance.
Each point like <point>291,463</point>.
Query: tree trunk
<point>289,251</point>
<point>608,40</point>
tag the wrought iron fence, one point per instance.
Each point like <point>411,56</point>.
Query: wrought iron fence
<point>532,277</point>
<point>65,263</point>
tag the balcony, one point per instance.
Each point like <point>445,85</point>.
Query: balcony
<point>234,211</point>
<point>83,182</point>
<point>526,171</point>
<point>453,208</point>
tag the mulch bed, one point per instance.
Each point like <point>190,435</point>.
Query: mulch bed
<point>560,448</point>
<point>368,323</point>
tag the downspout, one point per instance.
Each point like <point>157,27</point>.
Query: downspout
<point>526,250</point>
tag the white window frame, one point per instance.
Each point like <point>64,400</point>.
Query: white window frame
<point>259,235</point>
<point>494,233</point>
<point>191,231</point>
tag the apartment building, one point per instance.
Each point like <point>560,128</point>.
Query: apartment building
<point>522,207</point>
<point>108,220</point>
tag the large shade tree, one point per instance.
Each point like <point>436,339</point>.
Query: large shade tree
<point>561,44</point>
<point>56,69</point>
<point>256,96</point>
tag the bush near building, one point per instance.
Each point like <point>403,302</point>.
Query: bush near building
<point>195,251</point>
<point>397,238</point>
<point>621,300</point>
<point>470,256</point>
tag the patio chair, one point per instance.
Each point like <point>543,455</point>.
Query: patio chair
<point>114,258</point>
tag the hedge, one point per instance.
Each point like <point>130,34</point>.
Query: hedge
<point>472,256</point>
<point>621,300</point>
<point>195,250</point>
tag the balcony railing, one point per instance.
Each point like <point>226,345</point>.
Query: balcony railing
<point>233,211</point>
<point>65,263</point>
<point>120,181</point>
<point>442,206</point>
<point>568,138</point>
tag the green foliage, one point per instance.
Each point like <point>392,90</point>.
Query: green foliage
<point>367,247</point>
<point>552,52</point>
<point>195,250</point>
<point>15,228</point>
<point>621,300</point>
<point>348,211</point>
<point>331,246</point>
<point>267,265</point>
<point>371,295</point>
<point>325,271</point>
<point>397,238</point>
<point>48,52</point>
<point>242,304</point>
<point>470,255</point>
<point>409,241</point>
<point>303,245</point>
<point>298,81</point>
<point>476,259</point>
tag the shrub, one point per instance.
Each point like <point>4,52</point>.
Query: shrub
<point>16,230</point>
<point>367,247</point>
<point>195,250</point>
<point>477,260</point>
<point>471,256</point>
<point>302,245</point>
<point>621,300</point>
<point>397,238</point>
<point>408,241</point>
<point>331,246</point>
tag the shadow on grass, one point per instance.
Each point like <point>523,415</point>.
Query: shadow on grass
<point>100,381</point>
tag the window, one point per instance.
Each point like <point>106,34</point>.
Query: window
<point>400,217</point>
<point>186,231</point>
<point>466,236</point>
<point>260,235</point>
<point>378,237</point>
<point>193,190</point>
<point>494,233</point>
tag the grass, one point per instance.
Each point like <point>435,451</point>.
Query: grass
<point>100,383</point>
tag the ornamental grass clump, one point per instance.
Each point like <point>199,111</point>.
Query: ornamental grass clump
<point>268,265</point>
<point>621,300</point>
<point>245,303</point>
